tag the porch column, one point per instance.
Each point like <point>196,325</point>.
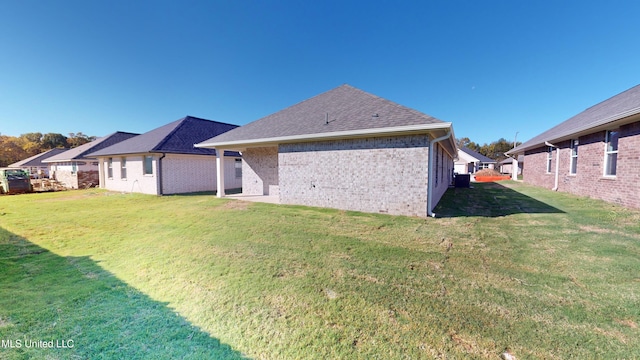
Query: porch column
<point>514,168</point>
<point>220,172</point>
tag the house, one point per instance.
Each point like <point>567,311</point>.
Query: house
<point>75,169</point>
<point>470,162</point>
<point>506,165</point>
<point>346,149</point>
<point>164,160</point>
<point>35,165</point>
<point>594,153</point>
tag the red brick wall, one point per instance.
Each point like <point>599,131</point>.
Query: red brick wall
<point>589,180</point>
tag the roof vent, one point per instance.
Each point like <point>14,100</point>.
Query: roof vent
<point>375,115</point>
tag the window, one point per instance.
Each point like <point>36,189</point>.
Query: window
<point>110,168</point>
<point>238,165</point>
<point>123,168</point>
<point>549,158</point>
<point>148,165</point>
<point>611,152</point>
<point>74,168</point>
<point>573,166</point>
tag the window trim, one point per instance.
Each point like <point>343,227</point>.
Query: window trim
<point>549,159</point>
<point>608,153</point>
<point>123,168</point>
<point>144,165</point>
<point>110,168</point>
<point>573,157</point>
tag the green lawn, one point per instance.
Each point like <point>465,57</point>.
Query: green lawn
<point>505,266</point>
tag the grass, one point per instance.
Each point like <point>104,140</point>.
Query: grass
<point>542,274</point>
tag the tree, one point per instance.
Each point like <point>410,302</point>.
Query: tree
<point>53,140</point>
<point>10,150</point>
<point>496,149</point>
<point>78,139</point>
<point>31,143</point>
<point>466,142</point>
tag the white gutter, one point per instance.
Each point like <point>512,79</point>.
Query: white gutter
<point>555,188</point>
<point>431,176</point>
<point>229,145</point>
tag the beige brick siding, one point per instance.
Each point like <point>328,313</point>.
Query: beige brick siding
<point>382,175</point>
<point>181,174</point>
<point>260,171</point>
<point>589,180</point>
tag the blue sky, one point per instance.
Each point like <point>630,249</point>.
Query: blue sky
<point>491,67</point>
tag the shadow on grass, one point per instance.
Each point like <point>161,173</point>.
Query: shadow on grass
<point>489,200</point>
<point>212,193</point>
<point>85,312</point>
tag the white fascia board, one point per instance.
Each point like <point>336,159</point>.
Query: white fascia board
<point>396,130</point>
<point>623,118</point>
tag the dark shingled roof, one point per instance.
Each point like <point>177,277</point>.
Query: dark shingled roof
<point>344,108</point>
<point>177,137</point>
<point>477,155</point>
<point>617,108</point>
<point>82,152</point>
<point>36,160</point>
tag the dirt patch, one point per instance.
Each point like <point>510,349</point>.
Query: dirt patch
<point>629,323</point>
<point>236,205</point>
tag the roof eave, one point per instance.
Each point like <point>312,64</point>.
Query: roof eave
<point>624,118</point>
<point>336,135</point>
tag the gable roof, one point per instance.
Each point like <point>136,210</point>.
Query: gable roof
<point>341,112</point>
<point>477,155</point>
<point>82,152</point>
<point>176,137</point>
<point>616,109</point>
<point>36,160</point>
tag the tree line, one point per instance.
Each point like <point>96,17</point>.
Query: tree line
<point>13,149</point>
<point>494,150</point>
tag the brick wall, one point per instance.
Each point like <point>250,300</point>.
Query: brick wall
<point>589,180</point>
<point>382,174</point>
<point>260,171</point>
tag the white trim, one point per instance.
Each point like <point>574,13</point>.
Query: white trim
<point>396,130</point>
<point>607,153</point>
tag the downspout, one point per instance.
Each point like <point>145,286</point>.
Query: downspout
<point>555,188</point>
<point>430,170</point>
<point>160,192</point>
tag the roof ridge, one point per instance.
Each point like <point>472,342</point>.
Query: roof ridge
<point>209,120</point>
<point>166,138</point>
<point>397,105</point>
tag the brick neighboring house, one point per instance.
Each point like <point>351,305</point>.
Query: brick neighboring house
<point>346,149</point>
<point>596,153</point>
<point>35,165</point>
<point>164,160</point>
<point>470,162</point>
<point>75,169</point>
